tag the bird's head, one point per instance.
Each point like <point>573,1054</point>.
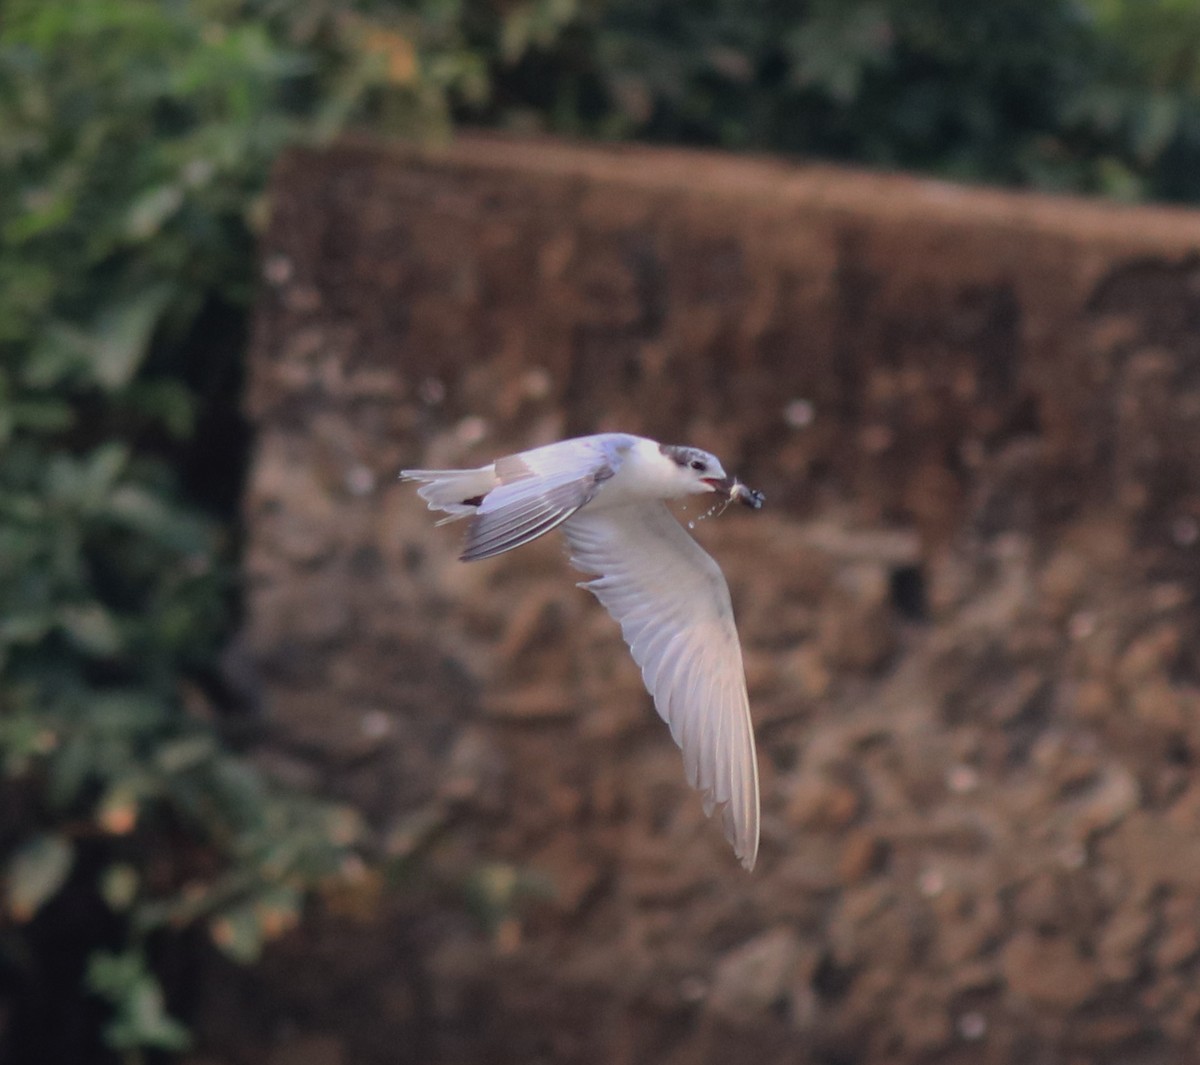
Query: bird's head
<point>698,472</point>
<point>695,472</point>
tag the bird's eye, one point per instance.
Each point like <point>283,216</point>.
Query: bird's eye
<point>698,466</point>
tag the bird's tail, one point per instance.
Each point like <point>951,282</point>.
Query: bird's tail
<point>457,493</point>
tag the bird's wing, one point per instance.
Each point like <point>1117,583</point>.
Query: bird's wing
<point>673,606</point>
<point>538,491</point>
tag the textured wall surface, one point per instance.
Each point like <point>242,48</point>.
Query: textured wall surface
<point>969,612</point>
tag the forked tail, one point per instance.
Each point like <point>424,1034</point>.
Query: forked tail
<point>454,492</point>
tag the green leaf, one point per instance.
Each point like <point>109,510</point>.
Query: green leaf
<point>46,209</point>
<point>58,352</point>
<point>91,628</point>
<point>28,628</point>
<point>42,415</point>
<point>35,874</point>
<point>23,737</point>
<point>133,507</point>
<point>238,933</point>
<point>103,466</point>
<point>71,768</point>
<point>167,402</point>
<point>119,885</point>
<point>144,1022</point>
<point>180,755</point>
<point>86,483</point>
<point>141,1018</point>
<point>122,334</point>
<point>152,209</point>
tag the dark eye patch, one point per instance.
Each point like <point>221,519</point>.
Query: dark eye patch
<point>698,465</point>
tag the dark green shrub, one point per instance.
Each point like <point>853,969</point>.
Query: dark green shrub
<point>1083,95</point>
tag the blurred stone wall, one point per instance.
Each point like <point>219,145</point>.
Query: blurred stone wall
<point>969,613</point>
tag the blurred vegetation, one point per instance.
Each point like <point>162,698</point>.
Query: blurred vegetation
<point>1098,96</point>
<point>135,142</point>
<point>136,138</point>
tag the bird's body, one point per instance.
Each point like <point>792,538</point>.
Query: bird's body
<point>609,493</point>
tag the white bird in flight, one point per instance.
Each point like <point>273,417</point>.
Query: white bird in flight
<point>609,493</point>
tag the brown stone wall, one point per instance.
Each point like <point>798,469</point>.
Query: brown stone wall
<point>969,612</point>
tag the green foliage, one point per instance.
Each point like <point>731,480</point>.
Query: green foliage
<point>135,141</point>
<point>139,1018</point>
<point>1086,95</point>
<point>1160,41</point>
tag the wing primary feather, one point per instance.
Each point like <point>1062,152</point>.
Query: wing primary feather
<point>706,749</point>
<point>485,533</point>
<point>475,552</point>
<point>655,659</point>
<point>686,725</point>
<point>675,613</point>
<point>713,791</point>
<point>663,692</point>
